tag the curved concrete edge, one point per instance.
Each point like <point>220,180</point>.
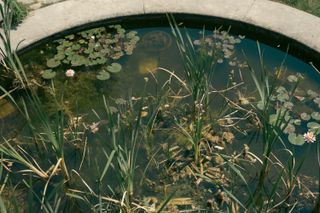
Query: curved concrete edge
<point>276,17</point>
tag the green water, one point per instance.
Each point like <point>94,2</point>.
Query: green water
<point>139,76</point>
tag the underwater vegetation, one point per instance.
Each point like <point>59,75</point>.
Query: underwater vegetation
<point>216,134</point>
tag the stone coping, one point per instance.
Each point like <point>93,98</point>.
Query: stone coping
<point>276,17</point>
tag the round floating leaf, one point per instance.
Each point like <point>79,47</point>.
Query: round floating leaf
<point>101,61</point>
<point>312,93</point>
<point>70,37</point>
<point>48,74</point>
<point>103,75</point>
<point>76,47</point>
<point>131,34</point>
<point>281,89</point>
<point>67,43</point>
<point>297,122</point>
<point>288,105</point>
<point>260,105</point>
<point>52,63</point>
<point>114,68</point>
<point>317,101</point>
<point>296,139</point>
<point>82,41</point>
<point>273,118</point>
<point>292,78</point>
<point>315,116</point>
<point>289,129</point>
<point>59,56</point>
<point>305,116</point>
<point>283,97</point>
<point>314,126</point>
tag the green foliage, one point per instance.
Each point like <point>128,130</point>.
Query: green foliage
<point>95,47</point>
<point>114,68</point>
<point>310,6</point>
<point>105,75</point>
<point>19,12</point>
<point>48,74</point>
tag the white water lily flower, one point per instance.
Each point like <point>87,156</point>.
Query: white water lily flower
<point>309,137</point>
<point>70,73</point>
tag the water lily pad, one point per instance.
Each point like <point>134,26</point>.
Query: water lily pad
<point>82,41</point>
<point>131,34</point>
<point>95,47</point>
<point>59,56</point>
<point>297,122</point>
<point>52,63</point>
<point>76,47</point>
<point>48,74</point>
<point>288,105</point>
<point>289,129</point>
<point>70,37</point>
<point>283,97</point>
<point>317,101</point>
<point>315,116</point>
<point>296,139</point>
<point>281,89</point>
<point>101,61</point>
<point>305,116</point>
<point>312,93</point>
<point>260,105</point>
<point>67,43</point>
<point>273,118</point>
<point>103,75</point>
<point>114,68</point>
<point>313,126</point>
<point>292,78</point>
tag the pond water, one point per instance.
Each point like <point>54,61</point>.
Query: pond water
<point>141,71</point>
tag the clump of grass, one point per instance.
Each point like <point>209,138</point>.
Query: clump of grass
<point>199,73</point>
<point>18,10</point>
<point>310,6</point>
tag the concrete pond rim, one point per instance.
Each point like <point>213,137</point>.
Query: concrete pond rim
<point>298,42</point>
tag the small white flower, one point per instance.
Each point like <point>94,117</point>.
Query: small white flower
<point>70,73</point>
<point>93,37</point>
<point>309,137</point>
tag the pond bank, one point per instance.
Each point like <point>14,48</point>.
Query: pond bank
<point>275,17</point>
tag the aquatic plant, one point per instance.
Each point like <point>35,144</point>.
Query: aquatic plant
<point>170,143</point>
<point>95,47</point>
<point>105,74</point>
<point>303,117</point>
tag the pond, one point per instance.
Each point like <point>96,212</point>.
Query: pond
<point>159,118</point>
